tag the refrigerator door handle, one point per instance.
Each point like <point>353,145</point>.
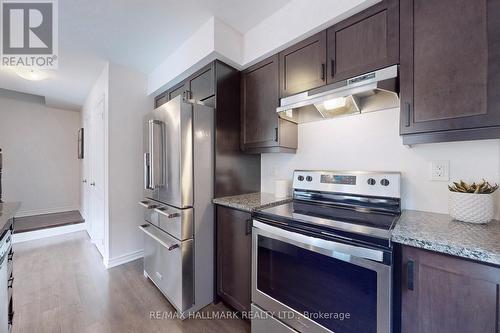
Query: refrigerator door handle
<point>156,153</point>
<point>147,172</point>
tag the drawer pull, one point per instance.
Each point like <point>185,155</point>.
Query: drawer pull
<point>410,274</point>
<point>169,247</point>
<point>168,215</point>
<point>148,204</point>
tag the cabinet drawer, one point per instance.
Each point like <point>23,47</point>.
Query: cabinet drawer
<point>169,264</point>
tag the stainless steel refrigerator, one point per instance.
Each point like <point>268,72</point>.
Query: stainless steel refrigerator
<point>178,211</point>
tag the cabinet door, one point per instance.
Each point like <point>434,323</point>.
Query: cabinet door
<point>234,247</point>
<point>259,98</point>
<point>160,100</point>
<point>450,72</point>
<point>303,65</point>
<point>364,42</point>
<point>176,90</point>
<point>201,84</point>
<point>442,294</point>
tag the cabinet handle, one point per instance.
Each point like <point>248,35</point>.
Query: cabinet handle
<point>407,114</point>
<point>410,267</point>
<point>248,230</point>
<point>332,67</point>
<point>276,134</point>
<point>323,71</point>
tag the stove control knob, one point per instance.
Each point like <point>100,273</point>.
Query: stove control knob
<point>384,182</point>
<point>309,178</point>
<point>300,178</point>
<point>371,181</point>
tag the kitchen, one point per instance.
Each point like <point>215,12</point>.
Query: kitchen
<point>239,195</point>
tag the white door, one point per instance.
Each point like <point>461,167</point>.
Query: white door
<point>86,174</point>
<point>97,182</point>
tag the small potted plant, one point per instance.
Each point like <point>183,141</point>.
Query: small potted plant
<point>472,203</point>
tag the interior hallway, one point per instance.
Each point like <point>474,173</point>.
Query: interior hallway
<point>61,285</point>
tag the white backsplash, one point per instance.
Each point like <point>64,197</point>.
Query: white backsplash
<point>371,142</point>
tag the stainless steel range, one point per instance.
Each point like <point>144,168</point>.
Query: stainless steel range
<point>178,190</point>
<point>323,263</point>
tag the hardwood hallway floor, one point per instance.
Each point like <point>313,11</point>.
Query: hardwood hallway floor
<point>61,285</point>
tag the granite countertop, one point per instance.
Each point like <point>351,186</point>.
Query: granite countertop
<point>252,201</point>
<point>440,233</point>
<point>7,211</point>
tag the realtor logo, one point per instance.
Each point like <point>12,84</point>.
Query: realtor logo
<point>29,33</point>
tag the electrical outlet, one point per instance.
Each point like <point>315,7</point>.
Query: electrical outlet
<point>440,170</point>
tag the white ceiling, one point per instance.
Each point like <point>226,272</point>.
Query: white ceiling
<point>137,34</point>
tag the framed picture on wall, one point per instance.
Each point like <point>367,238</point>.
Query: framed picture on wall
<point>80,144</point>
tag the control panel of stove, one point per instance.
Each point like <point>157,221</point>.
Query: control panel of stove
<point>381,184</point>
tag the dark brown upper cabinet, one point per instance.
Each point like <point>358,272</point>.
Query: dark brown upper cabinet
<point>262,130</point>
<point>303,65</point>
<point>234,255</point>
<point>450,70</point>
<point>201,84</point>
<point>161,99</point>
<point>364,42</point>
<point>441,294</point>
<point>177,90</point>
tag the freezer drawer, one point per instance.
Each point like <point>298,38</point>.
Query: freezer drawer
<point>169,264</point>
<point>176,222</point>
<point>149,213</point>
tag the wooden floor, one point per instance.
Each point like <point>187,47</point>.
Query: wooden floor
<point>61,285</point>
<point>38,222</point>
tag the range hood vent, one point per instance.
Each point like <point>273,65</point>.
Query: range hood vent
<point>373,91</point>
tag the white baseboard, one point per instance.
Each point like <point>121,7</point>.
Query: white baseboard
<point>123,259</point>
<point>49,232</point>
<point>31,212</point>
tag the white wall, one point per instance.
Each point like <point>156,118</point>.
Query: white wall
<point>295,21</point>
<point>39,144</point>
<point>128,103</point>
<point>217,40</point>
<point>371,142</point>
<point>125,93</point>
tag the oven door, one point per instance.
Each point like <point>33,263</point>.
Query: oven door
<point>318,285</point>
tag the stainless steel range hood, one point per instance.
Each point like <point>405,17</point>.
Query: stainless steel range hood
<point>373,91</point>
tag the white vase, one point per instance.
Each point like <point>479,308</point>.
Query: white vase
<point>471,207</point>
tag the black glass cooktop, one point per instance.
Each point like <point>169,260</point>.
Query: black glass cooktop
<point>357,220</point>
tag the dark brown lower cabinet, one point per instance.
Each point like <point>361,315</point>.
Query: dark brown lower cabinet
<point>234,253</point>
<point>445,294</point>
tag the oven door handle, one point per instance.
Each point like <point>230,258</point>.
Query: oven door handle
<point>333,249</point>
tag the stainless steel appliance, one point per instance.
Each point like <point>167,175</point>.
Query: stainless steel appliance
<point>1,162</point>
<point>377,90</point>
<point>178,190</point>
<point>323,263</point>
<point>5,282</point>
